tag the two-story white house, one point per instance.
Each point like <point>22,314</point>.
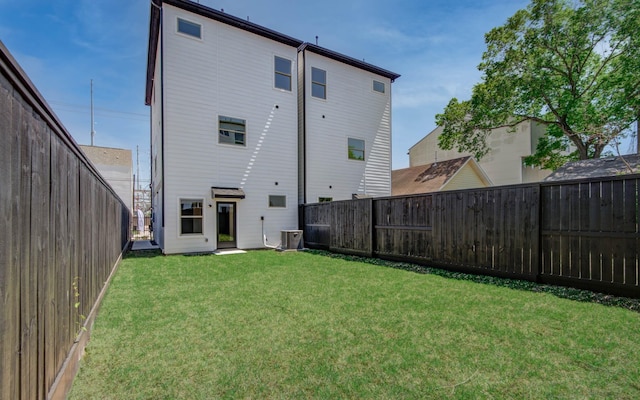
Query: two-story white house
<point>248,123</point>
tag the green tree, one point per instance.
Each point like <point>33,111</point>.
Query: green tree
<point>571,65</point>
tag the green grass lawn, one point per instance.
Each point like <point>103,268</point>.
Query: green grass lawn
<point>298,325</point>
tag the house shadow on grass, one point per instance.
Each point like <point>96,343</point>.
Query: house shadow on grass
<point>558,291</point>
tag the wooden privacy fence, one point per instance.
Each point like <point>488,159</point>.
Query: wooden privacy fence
<point>580,233</point>
<point>62,231</point>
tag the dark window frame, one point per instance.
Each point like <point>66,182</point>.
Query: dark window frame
<point>227,133</point>
<point>281,73</point>
<point>187,28</point>
<point>319,84</point>
<point>189,216</point>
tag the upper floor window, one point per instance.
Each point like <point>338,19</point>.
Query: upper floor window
<point>232,131</point>
<point>378,86</point>
<point>355,149</point>
<point>318,83</point>
<point>189,28</point>
<point>282,68</point>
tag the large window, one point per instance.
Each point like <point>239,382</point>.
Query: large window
<point>190,216</point>
<point>189,28</point>
<point>232,131</point>
<point>277,201</point>
<point>318,83</point>
<point>356,149</point>
<point>282,68</point>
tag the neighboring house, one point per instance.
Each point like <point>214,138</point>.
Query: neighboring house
<point>504,164</point>
<point>116,167</point>
<point>248,123</point>
<point>596,168</point>
<point>459,173</point>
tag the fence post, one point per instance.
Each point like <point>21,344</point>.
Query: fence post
<point>537,266</point>
<point>372,228</point>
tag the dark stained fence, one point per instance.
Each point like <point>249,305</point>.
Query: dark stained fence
<point>340,226</point>
<point>493,230</point>
<point>62,231</point>
<point>590,235</point>
<point>582,234</point>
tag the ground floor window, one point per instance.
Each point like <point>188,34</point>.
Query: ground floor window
<point>190,216</point>
<point>276,201</point>
<point>324,199</point>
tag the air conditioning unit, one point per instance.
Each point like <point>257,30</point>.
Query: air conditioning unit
<point>291,240</point>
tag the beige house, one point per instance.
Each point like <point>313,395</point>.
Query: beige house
<point>459,173</point>
<point>504,164</point>
<point>116,167</point>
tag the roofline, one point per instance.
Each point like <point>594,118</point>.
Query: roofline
<point>188,5</point>
<point>154,30</point>
<point>472,164</point>
<point>348,60</point>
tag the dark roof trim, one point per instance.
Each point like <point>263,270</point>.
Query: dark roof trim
<point>228,19</point>
<point>154,37</point>
<point>227,193</point>
<point>348,60</point>
<point>187,5</point>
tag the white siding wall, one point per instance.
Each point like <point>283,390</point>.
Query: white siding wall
<point>156,153</point>
<point>229,72</point>
<point>351,109</point>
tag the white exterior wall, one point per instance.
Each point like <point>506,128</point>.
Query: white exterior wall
<point>229,72</point>
<point>503,164</point>
<point>351,109</point>
<point>156,155</point>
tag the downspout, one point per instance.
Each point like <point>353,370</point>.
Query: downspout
<point>302,86</point>
<point>164,183</point>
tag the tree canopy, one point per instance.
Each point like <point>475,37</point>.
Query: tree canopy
<point>571,65</point>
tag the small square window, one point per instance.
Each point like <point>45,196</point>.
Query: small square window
<point>356,149</point>
<point>190,216</point>
<point>318,83</point>
<point>232,131</point>
<point>189,28</point>
<point>282,68</point>
<point>378,86</point>
<point>277,201</point>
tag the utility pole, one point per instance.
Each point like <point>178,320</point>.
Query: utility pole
<point>92,131</point>
<point>138,164</point>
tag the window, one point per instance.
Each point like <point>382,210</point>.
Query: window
<point>232,131</point>
<point>356,149</point>
<point>189,28</point>
<point>282,68</point>
<point>324,199</point>
<point>276,201</point>
<point>318,83</point>
<point>190,216</point>
<point>378,86</point>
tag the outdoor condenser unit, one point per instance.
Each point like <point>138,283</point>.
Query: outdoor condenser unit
<point>291,240</point>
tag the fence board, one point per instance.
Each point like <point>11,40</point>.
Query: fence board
<point>9,267</point>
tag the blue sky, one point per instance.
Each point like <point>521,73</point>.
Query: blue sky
<point>62,44</point>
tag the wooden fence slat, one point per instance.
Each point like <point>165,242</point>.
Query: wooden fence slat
<point>9,267</point>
